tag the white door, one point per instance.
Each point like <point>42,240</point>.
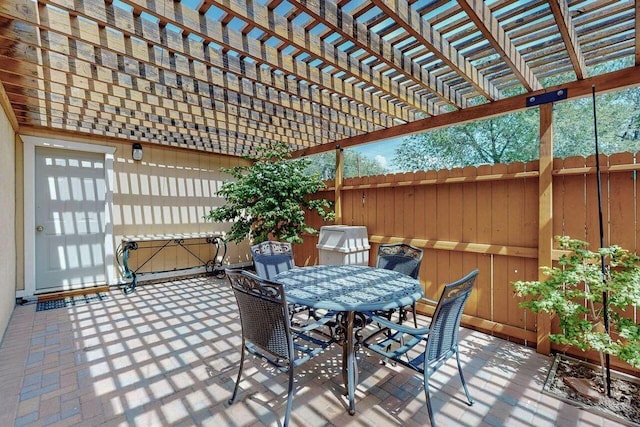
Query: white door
<point>70,208</point>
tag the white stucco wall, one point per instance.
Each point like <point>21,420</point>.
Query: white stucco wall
<point>7,222</point>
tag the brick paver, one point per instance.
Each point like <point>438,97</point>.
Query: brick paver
<point>168,355</point>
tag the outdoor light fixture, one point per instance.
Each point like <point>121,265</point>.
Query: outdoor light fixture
<point>136,153</point>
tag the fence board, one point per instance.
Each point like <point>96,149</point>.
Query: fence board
<point>347,206</point>
<point>500,235</point>
<point>484,281</point>
<point>622,215</point>
<point>429,266</point>
<point>487,218</point>
<point>442,219</point>
<point>371,210</point>
<point>409,214</point>
<point>516,236</point>
<point>591,196</point>
<point>469,233</point>
<point>442,270</point>
<point>419,206</point>
<point>430,213</point>
<point>573,191</point>
<point>388,220</point>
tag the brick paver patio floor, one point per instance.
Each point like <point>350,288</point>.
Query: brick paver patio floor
<point>168,355</point>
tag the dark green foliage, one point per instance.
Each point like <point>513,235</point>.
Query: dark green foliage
<point>503,139</point>
<point>269,199</point>
<point>514,137</point>
<point>575,284</point>
<point>355,165</point>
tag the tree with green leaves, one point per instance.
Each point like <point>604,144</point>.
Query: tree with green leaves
<point>514,137</point>
<point>618,124</point>
<point>270,198</point>
<point>502,139</point>
<point>355,165</point>
<point>573,291</point>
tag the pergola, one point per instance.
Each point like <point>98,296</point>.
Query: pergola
<point>201,84</point>
<point>226,77</point>
<point>229,76</point>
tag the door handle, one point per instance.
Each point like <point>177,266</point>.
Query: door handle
<point>39,228</point>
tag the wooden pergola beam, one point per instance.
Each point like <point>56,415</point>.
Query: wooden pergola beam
<point>198,71</point>
<point>72,106</point>
<point>143,51</point>
<point>122,90</point>
<point>412,22</point>
<point>296,36</point>
<point>484,20</point>
<point>616,80</point>
<point>305,72</point>
<point>563,19</point>
<point>369,41</point>
<point>214,32</point>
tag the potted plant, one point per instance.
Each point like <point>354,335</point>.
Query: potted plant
<point>574,291</point>
<point>268,200</point>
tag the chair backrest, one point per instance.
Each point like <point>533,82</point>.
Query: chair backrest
<point>263,313</point>
<point>271,258</point>
<point>400,257</point>
<point>445,324</point>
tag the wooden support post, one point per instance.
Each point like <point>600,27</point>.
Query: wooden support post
<point>339,178</point>
<point>545,216</point>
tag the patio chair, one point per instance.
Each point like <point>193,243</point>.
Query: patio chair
<point>271,258</point>
<point>402,258</point>
<point>440,339</point>
<point>267,332</point>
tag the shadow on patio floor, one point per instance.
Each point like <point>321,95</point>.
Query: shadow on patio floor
<point>168,355</point>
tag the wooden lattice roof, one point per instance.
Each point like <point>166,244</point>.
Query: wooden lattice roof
<point>229,75</point>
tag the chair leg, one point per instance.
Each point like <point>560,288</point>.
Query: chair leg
<point>415,318</point>
<point>287,413</point>
<point>428,397</point>
<point>464,383</point>
<point>235,389</point>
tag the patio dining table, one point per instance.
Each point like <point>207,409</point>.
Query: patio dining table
<point>349,290</point>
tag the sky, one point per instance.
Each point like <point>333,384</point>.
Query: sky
<point>382,151</point>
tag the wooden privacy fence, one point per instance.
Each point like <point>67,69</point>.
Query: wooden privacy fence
<point>486,217</point>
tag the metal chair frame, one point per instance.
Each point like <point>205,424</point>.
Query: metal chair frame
<point>394,341</point>
<point>267,332</point>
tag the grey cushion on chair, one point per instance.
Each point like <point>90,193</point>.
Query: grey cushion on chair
<point>267,266</point>
<point>271,258</point>
<point>401,264</point>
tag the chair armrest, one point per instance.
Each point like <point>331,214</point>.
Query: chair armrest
<point>397,327</point>
<point>428,300</point>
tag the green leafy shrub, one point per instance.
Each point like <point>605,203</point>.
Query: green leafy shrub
<point>574,292</point>
<point>269,199</point>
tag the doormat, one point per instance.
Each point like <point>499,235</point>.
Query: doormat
<point>72,301</point>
